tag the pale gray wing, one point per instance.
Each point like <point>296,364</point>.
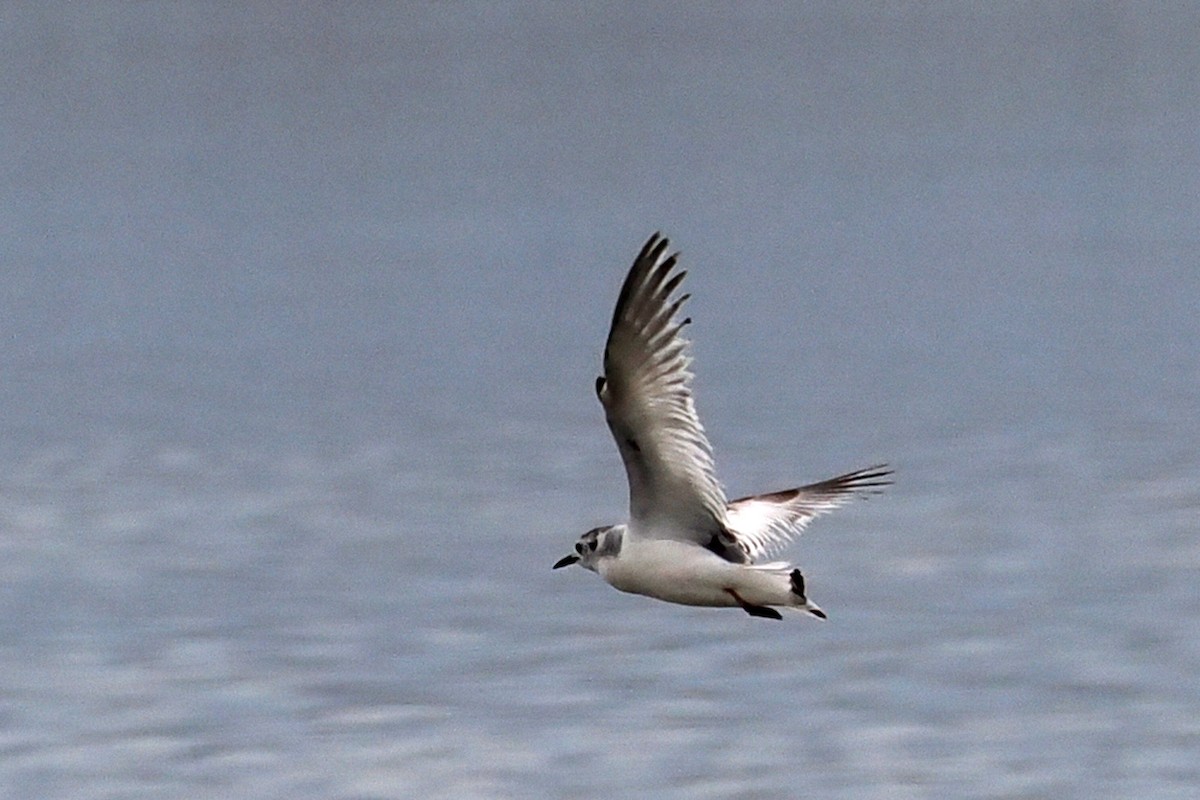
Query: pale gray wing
<point>647,397</point>
<point>764,523</point>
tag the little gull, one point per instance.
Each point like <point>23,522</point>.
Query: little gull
<point>684,542</point>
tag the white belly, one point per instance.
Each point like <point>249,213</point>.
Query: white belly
<point>684,573</point>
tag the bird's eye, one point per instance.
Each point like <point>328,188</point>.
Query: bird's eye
<point>592,544</point>
<point>579,548</point>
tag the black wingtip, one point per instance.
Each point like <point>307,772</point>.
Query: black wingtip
<point>655,246</point>
<point>863,482</point>
<point>879,472</point>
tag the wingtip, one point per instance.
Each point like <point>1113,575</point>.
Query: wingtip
<point>867,481</point>
<point>656,245</point>
<point>875,478</point>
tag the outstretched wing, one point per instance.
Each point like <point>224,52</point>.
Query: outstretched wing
<point>647,397</point>
<point>764,523</point>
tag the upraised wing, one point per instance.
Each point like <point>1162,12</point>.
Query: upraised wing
<point>647,397</point>
<point>764,523</point>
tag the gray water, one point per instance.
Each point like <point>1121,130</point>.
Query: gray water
<point>301,308</point>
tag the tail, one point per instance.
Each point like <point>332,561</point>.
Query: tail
<point>802,601</point>
<point>795,596</point>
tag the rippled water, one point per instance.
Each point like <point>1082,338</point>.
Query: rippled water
<point>301,318</point>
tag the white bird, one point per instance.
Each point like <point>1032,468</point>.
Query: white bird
<point>684,542</point>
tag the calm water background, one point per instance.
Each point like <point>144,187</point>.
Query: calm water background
<point>301,308</point>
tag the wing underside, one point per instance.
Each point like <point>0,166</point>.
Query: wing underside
<point>764,523</point>
<point>647,397</point>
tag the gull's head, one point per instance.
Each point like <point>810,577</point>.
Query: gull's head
<point>594,545</point>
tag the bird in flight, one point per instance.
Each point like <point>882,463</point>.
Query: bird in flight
<point>684,541</point>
